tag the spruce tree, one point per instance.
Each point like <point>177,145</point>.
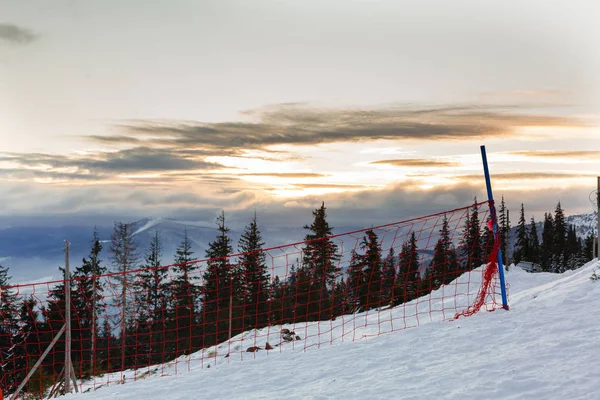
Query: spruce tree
<point>340,299</point>
<point>54,313</point>
<point>185,294</point>
<point>444,265</point>
<point>522,250</point>
<point>27,344</point>
<point>560,237</point>
<point>471,240</point>
<point>409,277</point>
<point>8,329</point>
<point>276,296</point>
<point>366,273</point>
<point>87,302</point>
<point>255,274</point>
<point>389,268</point>
<point>588,247</point>
<point>533,242</point>
<point>288,299</point>
<point>299,292</point>
<point>319,260</point>
<point>156,315</point>
<point>355,281</point>
<point>373,269</point>
<point>218,286</point>
<point>487,241</point>
<point>504,227</point>
<point>575,253</point>
<point>547,246</point>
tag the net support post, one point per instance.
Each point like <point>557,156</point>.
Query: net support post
<point>38,362</point>
<point>69,377</point>
<point>488,184</point>
<point>598,220</point>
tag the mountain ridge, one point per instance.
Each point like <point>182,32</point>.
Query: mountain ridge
<point>31,252</point>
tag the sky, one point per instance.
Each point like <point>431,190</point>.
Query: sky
<point>177,108</point>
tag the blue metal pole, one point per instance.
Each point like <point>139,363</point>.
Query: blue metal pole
<point>488,184</point>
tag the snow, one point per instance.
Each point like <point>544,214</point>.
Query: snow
<point>149,223</point>
<point>543,348</point>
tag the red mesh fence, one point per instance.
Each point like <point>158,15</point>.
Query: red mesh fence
<point>160,321</point>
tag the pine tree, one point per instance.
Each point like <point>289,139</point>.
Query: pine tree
<point>408,280</point>
<point>124,256</point>
<point>255,277</point>
<point>320,257</point>
<point>8,329</point>
<point>533,243</point>
<point>560,237</point>
<point>218,286</point>
<point>522,250</point>
<point>547,246</point>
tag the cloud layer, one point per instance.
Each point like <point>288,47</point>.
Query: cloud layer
<point>192,168</point>
<point>177,151</point>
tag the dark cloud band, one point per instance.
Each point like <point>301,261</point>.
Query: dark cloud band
<point>15,34</point>
<point>417,163</point>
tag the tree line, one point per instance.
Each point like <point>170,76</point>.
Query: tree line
<point>555,249</point>
<point>130,320</point>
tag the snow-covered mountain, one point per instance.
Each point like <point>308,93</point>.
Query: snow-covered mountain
<point>33,252</point>
<point>584,224</point>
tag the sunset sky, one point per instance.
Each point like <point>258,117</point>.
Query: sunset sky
<point>127,109</point>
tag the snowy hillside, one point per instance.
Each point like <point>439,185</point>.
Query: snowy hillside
<point>541,349</point>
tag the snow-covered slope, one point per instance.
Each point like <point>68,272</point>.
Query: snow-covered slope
<point>543,348</point>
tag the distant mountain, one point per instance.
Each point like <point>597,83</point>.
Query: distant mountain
<point>36,252</point>
<point>584,224</point>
